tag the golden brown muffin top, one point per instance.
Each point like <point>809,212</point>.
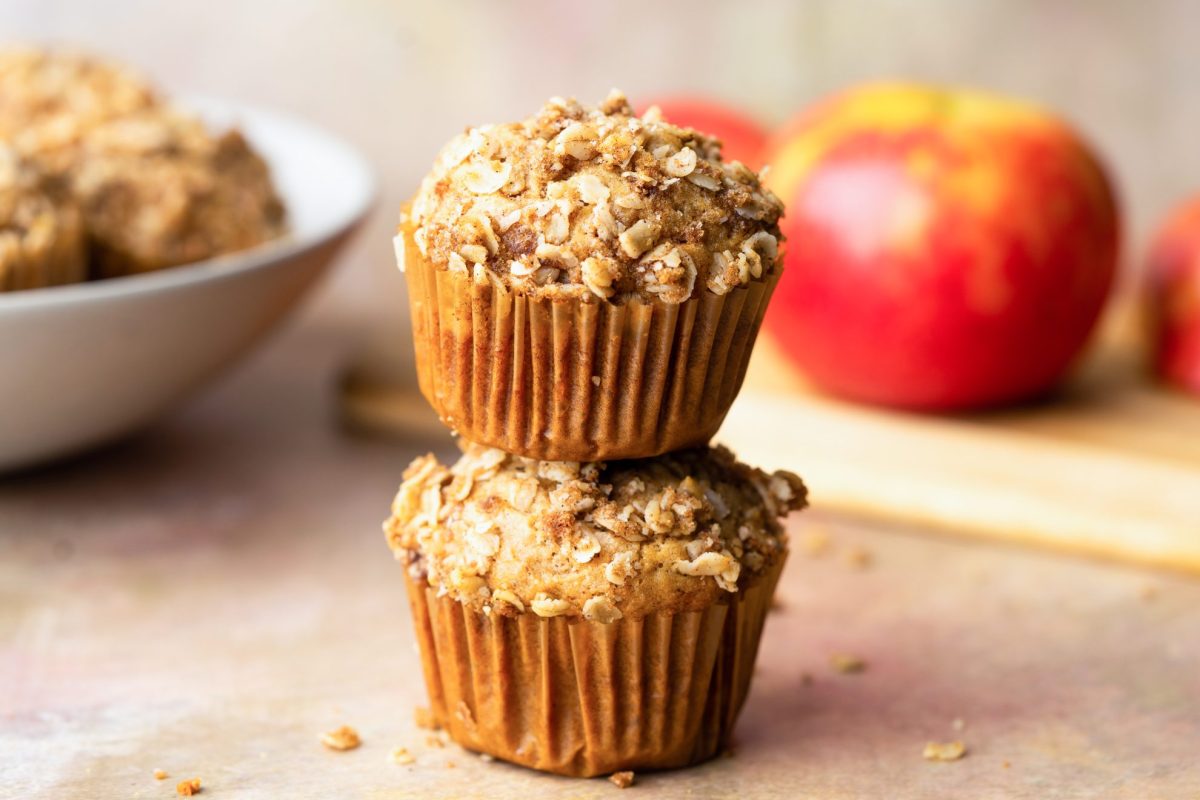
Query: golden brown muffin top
<point>50,98</point>
<point>596,203</point>
<point>158,189</point>
<point>506,534</point>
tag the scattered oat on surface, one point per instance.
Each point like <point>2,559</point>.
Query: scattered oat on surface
<point>425,718</point>
<point>815,542</point>
<point>846,663</point>
<point>958,724</point>
<point>944,751</point>
<point>188,787</point>
<point>434,740</point>
<point>160,775</point>
<point>622,780</point>
<point>1006,764</point>
<point>859,558</point>
<point>487,757</point>
<point>343,738</point>
<point>400,755</point>
<point>450,765</point>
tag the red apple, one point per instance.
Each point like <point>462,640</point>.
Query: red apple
<point>1174,298</point>
<point>946,249</point>
<point>743,139</point>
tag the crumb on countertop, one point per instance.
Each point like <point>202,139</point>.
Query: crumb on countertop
<point>401,756</point>
<point>944,751</point>
<point>846,663</point>
<point>859,557</point>
<point>160,774</point>
<point>622,780</point>
<point>343,738</point>
<point>815,542</point>
<point>187,788</point>
<point>425,718</point>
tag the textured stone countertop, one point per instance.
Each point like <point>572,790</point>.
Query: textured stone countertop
<point>209,597</point>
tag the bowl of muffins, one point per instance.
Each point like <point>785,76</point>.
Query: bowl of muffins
<point>590,580</point>
<point>145,243</point>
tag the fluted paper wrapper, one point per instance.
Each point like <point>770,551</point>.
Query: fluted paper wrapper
<point>569,380</point>
<point>584,698</point>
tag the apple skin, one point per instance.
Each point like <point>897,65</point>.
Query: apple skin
<point>742,138</point>
<point>1173,295</point>
<point>946,249</point>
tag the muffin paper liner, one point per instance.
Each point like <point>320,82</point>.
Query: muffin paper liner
<point>571,380</point>
<point>583,698</point>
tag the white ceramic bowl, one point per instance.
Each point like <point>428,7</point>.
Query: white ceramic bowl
<point>82,365</point>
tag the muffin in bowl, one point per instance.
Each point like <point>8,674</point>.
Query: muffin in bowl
<point>587,284</point>
<point>42,240</point>
<point>583,618</point>
<point>157,189</point>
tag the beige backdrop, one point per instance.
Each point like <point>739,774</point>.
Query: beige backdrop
<point>398,78</point>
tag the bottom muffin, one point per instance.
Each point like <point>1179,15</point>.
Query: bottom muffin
<point>589,618</point>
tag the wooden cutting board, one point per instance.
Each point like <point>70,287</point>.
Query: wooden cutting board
<point>1109,467</point>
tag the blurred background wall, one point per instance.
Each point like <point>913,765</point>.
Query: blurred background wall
<point>398,78</point>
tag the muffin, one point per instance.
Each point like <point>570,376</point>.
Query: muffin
<point>582,618</point>
<point>587,284</point>
<point>41,239</point>
<point>50,98</point>
<point>157,189</point>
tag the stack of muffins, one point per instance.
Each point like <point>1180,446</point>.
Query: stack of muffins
<point>589,581</point>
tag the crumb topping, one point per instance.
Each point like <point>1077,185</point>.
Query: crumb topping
<point>596,203</point>
<point>511,535</point>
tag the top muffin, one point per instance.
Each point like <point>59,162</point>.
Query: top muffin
<point>596,204</point>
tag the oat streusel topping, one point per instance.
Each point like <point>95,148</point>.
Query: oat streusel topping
<point>506,534</point>
<point>157,189</point>
<point>596,203</point>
